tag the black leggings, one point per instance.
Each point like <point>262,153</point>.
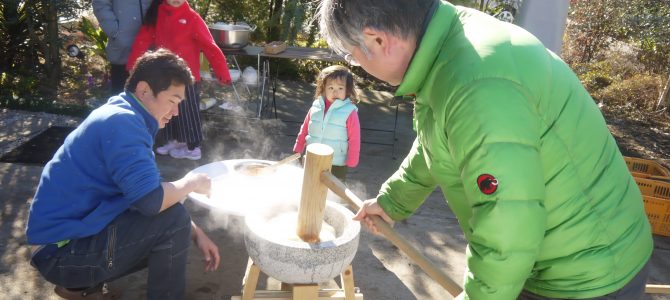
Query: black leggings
<point>118,77</point>
<point>187,126</point>
<point>340,172</point>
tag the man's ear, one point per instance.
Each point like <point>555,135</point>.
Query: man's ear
<point>143,90</point>
<point>377,41</point>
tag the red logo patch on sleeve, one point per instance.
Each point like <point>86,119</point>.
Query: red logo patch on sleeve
<point>487,184</point>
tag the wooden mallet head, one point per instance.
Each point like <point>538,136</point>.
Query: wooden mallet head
<point>318,158</point>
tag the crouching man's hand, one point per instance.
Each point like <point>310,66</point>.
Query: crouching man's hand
<point>176,191</point>
<point>209,250</point>
<point>200,183</point>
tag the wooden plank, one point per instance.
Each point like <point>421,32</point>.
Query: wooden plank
<point>347,281</point>
<point>657,289</point>
<point>288,295</point>
<point>305,291</point>
<point>250,280</point>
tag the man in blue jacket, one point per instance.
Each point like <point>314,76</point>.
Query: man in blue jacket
<point>101,210</point>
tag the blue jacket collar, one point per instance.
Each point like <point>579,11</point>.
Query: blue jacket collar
<point>149,120</point>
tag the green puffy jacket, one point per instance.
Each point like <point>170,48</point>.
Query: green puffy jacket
<point>566,218</point>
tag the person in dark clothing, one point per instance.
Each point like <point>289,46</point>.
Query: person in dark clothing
<point>120,20</point>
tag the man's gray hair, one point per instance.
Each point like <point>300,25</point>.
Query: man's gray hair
<point>342,21</point>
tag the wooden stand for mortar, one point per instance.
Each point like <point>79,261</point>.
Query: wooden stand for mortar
<point>318,159</point>
<point>297,291</point>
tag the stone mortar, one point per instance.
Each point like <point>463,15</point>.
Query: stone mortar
<point>297,262</point>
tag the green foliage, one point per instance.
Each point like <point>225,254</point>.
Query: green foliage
<point>647,25</point>
<point>42,103</point>
<point>639,91</point>
<point>70,10</point>
<point>620,49</point>
<point>201,6</point>
<point>94,34</point>
<point>591,29</point>
<point>616,65</point>
<point>22,92</point>
<point>594,25</point>
<point>20,58</point>
<point>596,75</point>
<point>288,29</point>
<point>31,48</point>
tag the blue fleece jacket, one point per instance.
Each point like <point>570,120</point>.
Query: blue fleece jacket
<point>102,168</point>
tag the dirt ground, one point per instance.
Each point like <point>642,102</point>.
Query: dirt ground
<point>381,271</point>
<point>641,135</point>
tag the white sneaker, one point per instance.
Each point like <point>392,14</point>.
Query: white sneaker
<point>231,106</point>
<point>225,105</point>
<point>165,149</point>
<point>194,154</point>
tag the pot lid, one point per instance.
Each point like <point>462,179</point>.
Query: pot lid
<point>231,26</point>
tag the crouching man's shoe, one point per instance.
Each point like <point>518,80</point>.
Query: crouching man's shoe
<point>99,292</point>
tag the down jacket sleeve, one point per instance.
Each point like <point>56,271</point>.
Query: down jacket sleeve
<point>406,190</point>
<point>212,52</point>
<point>103,11</point>
<point>144,40</point>
<point>494,129</point>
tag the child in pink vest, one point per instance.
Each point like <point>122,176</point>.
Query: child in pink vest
<point>333,119</point>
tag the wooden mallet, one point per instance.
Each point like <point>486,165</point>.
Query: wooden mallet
<point>421,260</point>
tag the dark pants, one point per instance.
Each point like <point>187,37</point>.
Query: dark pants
<point>187,126</point>
<point>340,172</point>
<point>633,290</point>
<point>118,77</point>
<point>130,243</point>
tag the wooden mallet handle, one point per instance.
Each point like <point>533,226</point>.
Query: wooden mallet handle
<point>657,289</point>
<point>280,163</point>
<point>421,260</point>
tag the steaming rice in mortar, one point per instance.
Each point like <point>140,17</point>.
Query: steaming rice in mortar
<point>241,186</point>
<point>237,191</point>
<point>284,227</point>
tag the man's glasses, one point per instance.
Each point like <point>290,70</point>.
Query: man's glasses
<point>351,60</point>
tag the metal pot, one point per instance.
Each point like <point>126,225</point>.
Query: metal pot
<point>231,36</point>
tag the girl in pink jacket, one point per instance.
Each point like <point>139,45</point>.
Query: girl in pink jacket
<point>333,119</point>
<point>173,25</point>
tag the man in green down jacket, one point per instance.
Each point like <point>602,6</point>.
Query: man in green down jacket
<point>515,143</point>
